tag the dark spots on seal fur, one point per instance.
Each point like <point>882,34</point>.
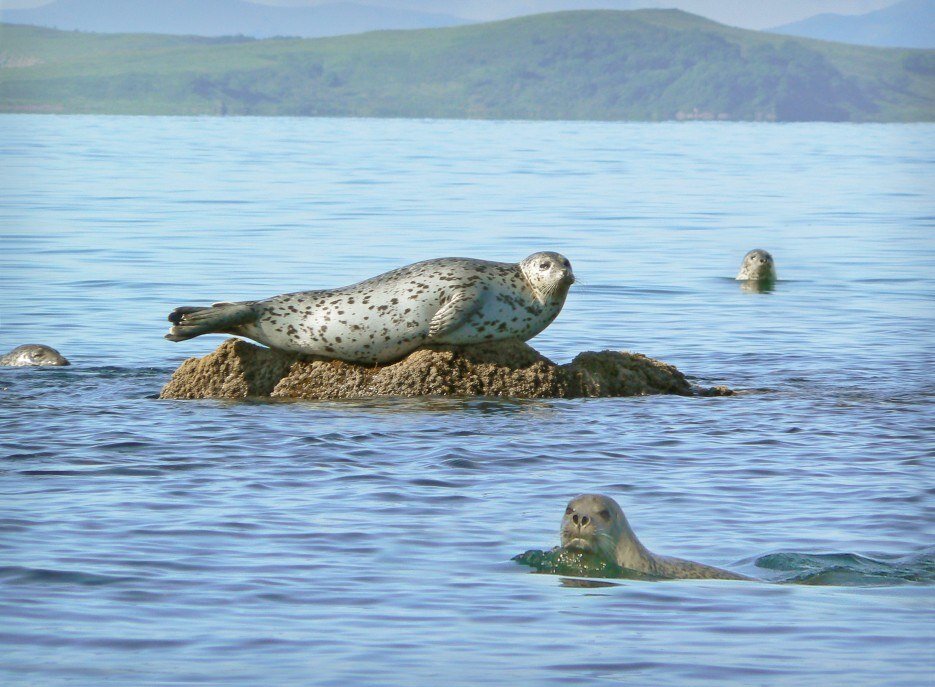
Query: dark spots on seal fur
<point>373,315</point>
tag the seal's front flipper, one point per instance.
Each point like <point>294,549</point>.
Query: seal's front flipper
<point>189,322</point>
<point>453,314</point>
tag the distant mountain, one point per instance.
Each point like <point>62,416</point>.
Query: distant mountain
<point>222,18</point>
<point>610,65</point>
<point>907,24</point>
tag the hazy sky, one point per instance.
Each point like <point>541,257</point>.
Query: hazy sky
<point>753,14</point>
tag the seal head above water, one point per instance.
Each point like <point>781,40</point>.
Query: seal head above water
<point>33,354</point>
<point>758,265</point>
<point>596,524</point>
<point>456,301</point>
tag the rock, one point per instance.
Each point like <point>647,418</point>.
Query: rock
<point>238,369</point>
<point>615,373</point>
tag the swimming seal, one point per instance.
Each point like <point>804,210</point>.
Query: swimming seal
<point>757,265</point>
<point>443,301</point>
<point>33,354</point>
<point>596,524</point>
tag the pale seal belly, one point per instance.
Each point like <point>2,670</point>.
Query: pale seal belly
<point>443,301</point>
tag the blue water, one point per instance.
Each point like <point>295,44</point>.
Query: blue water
<point>244,543</point>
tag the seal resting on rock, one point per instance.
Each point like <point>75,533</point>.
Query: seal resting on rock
<point>455,301</point>
<point>33,354</point>
<point>596,524</point>
<point>758,266</point>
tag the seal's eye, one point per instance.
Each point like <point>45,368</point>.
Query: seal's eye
<point>568,511</point>
<point>566,263</point>
<point>605,514</point>
<point>545,265</point>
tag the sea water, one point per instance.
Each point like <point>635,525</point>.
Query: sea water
<point>145,541</point>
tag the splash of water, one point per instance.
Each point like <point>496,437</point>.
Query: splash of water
<point>561,561</point>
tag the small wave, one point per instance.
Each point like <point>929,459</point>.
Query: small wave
<point>16,574</point>
<point>426,482</point>
<point>890,280</point>
<point>94,283</point>
<point>850,569</point>
<point>124,471</point>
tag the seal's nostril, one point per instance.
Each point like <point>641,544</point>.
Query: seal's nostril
<point>585,519</point>
<point>574,518</point>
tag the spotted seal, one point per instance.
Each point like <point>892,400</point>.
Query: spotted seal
<point>443,301</point>
<point>757,265</point>
<point>596,524</point>
<point>33,354</point>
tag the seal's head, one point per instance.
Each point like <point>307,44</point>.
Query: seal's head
<point>548,274</point>
<point>757,265</point>
<point>594,523</point>
<point>34,354</point>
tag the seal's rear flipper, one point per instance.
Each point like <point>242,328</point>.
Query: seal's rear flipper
<point>189,322</point>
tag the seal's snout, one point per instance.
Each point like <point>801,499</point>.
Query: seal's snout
<point>577,531</point>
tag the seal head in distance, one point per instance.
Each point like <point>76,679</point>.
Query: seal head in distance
<point>33,354</point>
<point>758,265</point>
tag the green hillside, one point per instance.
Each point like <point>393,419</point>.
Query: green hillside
<point>640,65</point>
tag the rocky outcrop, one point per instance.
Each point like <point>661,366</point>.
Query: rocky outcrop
<point>238,369</point>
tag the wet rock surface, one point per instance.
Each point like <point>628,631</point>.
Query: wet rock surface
<point>238,369</point>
